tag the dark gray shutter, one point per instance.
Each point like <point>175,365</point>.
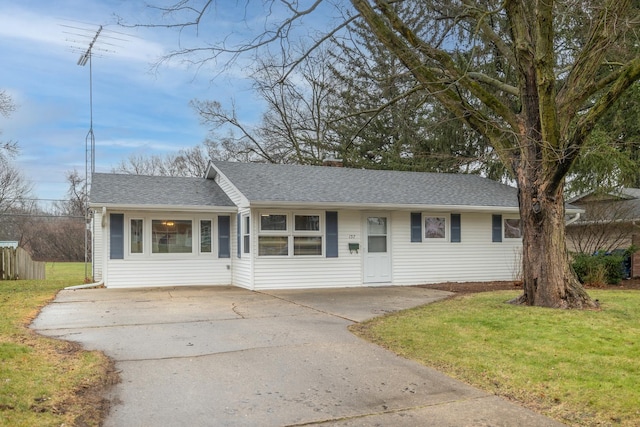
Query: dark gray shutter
<point>416,227</point>
<point>455,228</point>
<point>224,239</point>
<point>331,219</point>
<point>496,228</point>
<point>116,236</point>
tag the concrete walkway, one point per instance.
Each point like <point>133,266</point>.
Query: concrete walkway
<point>232,357</point>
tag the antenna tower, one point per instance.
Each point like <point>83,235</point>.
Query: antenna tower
<point>90,140</point>
<point>80,37</point>
<point>89,145</point>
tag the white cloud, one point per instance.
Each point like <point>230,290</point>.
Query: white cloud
<point>147,144</point>
<point>74,33</point>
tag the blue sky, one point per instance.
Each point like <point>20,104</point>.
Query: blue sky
<point>135,110</point>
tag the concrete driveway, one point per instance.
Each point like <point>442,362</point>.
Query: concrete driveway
<point>231,357</point>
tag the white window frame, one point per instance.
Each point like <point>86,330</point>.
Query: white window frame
<point>447,227</point>
<point>447,224</point>
<point>291,233</point>
<point>194,239</point>
<point>504,227</point>
<point>246,233</point>
<point>275,233</point>
<point>308,233</point>
<point>212,236</point>
<point>130,236</point>
<point>147,235</point>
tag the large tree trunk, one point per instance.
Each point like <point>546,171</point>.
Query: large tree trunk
<point>548,279</point>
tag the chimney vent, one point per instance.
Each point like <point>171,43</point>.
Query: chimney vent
<point>332,162</point>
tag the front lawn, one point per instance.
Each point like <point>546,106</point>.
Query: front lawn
<point>46,382</point>
<point>580,367</point>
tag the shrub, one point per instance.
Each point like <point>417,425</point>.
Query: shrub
<point>600,268</point>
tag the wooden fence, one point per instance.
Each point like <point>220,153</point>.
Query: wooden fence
<point>16,263</point>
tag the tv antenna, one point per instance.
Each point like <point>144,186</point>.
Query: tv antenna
<point>95,47</point>
<point>100,42</point>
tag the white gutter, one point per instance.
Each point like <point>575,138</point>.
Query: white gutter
<point>379,206</point>
<point>182,208</point>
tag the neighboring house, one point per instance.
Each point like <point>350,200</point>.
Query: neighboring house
<point>610,220</point>
<point>265,226</point>
<point>9,244</point>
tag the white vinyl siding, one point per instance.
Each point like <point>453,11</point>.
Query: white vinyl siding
<point>98,245</point>
<point>313,271</point>
<point>167,269</point>
<point>180,272</point>
<point>242,267</point>
<point>231,191</point>
<point>475,258</point>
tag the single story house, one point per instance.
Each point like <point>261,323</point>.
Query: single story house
<point>266,226</point>
<point>610,221</point>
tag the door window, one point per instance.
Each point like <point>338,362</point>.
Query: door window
<point>376,234</point>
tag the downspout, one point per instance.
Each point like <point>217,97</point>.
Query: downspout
<point>85,286</point>
<point>101,282</point>
<point>572,219</point>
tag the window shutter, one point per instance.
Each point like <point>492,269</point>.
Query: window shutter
<point>116,235</point>
<point>331,220</point>
<point>496,228</point>
<point>455,228</point>
<point>224,239</point>
<point>416,227</point>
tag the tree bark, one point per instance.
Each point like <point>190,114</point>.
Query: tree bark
<point>548,279</point>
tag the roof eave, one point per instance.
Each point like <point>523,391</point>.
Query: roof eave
<point>379,206</point>
<point>181,208</point>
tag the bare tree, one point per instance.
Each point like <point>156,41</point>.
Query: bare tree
<point>7,148</point>
<point>77,197</point>
<point>297,124</point>
<point>15,190</point>
<point>187,162</point>
<point>533,78</point>
<point>16,204</point>
<point>608,224</point>
<point>55,238</point>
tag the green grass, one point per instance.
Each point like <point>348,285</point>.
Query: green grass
<point>580,367</point>
<point>45,382</point>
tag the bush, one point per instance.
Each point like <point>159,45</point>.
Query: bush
<point>600,268</point>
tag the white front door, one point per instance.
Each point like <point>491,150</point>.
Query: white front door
<point>377,259</point>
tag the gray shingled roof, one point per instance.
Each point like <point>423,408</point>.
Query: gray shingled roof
<point>261,182</point>
<point>122,190</point>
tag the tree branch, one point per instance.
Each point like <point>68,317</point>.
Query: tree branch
<point>449,98</point>
<point>579,85</point>
<point>627,76</point>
